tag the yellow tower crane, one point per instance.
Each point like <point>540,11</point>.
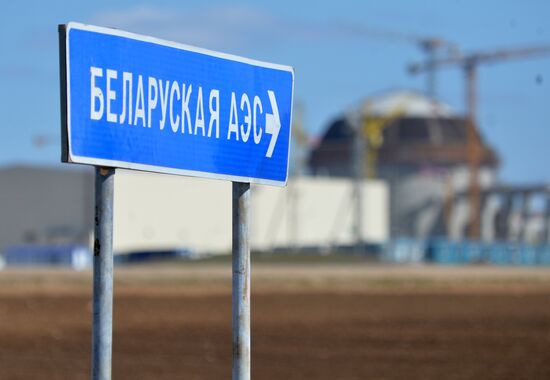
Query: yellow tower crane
<point>373,128</point>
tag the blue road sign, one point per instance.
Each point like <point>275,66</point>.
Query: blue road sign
<point>138,102</point>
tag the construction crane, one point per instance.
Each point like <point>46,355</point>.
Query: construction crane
<point>429,45</point>
<point>373,128</point>
<point>469,64</point>
<point>43,140</point>
<point>367,142</point>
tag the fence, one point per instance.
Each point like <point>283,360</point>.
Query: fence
<point>446,252</point>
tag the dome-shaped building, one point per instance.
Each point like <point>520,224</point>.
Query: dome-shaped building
<point>416,144</point>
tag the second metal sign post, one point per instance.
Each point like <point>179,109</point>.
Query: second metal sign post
<point>241,281</point>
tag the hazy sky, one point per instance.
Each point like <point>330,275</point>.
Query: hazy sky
<point>336,62</point>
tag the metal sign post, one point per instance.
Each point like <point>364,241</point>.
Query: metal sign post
<point>102,328</point>
<point>241,281</point>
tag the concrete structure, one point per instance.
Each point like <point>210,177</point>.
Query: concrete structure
<point>157,211</point>
<point>418,146</point>
<point>162,212</point>
<point>45,205</point>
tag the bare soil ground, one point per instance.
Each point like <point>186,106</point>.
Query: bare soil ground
<point>309,322</point>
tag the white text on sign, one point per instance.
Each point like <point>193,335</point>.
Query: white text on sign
<point>141,97</point>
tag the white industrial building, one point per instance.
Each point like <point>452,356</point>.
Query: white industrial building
<point>47,206</point>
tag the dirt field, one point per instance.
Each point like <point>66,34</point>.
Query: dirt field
<point>309,322</point>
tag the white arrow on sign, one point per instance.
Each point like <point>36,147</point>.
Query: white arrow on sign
<point>272,123</point>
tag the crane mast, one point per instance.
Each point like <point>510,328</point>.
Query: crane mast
<point>469,64</point>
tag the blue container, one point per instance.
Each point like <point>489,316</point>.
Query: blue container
<point>444,252</point>
<point>74,256</point>
<point>498,254</point>
<point>471,252</point>
<point>527,254</point>
<point>405,250</point>
<point>543,254</point>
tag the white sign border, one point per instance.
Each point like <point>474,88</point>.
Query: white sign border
<point>72,158</point>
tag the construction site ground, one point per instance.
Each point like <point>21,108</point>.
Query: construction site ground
<point>354,320</point>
